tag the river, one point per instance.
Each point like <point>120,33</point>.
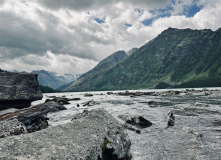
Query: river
<point>195,135</point>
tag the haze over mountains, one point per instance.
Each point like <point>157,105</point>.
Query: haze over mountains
<point>54,80</point>
<point>176,57</point>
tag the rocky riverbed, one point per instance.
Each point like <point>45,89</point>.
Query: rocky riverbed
<point>196,133</point>
<point>160,124</point>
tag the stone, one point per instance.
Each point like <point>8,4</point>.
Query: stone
<point>129,127</point>
<point>138,121</point>
<point>93,135</point>
<point>12,127</point>
<point>90,103</point>
<point>110,93</point>
<point>60,100</point>
<point>88,95</point>
<point>34,118</point>
<point>170,118</point>
<point>18,90</point>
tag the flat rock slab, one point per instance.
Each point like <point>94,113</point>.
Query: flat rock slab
<point>93,135</point>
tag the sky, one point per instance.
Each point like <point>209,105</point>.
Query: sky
<point>73,36</point>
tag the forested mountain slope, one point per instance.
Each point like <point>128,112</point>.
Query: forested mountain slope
<point>175,58</point>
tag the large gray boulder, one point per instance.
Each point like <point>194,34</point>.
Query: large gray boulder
<point>18,90</point>
<point>92,135</point>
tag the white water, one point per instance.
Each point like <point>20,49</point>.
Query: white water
<point>155,142</point>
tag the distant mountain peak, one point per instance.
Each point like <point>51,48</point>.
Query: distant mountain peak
<point>53,79</point>
<point>131,51</point>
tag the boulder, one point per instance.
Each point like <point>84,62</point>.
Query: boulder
<point>18,90</point>
<point>12,127</point>
<point>90,103</point>
<point>62,100</point>
<point>138,121</point>
<point>88,95</point>
<point>170,118</point>
<point>34,118</point>
<point>93,135</point>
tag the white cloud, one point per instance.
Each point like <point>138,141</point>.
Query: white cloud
<point>66,38</point>
<point>51,62</point>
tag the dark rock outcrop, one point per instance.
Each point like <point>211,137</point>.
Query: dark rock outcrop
<point>61,100</point>
<point>170,118</point>
<point>34,118</point>
<point>90,103</point>
<point>93,135</point>
<point>18,90</point>
<point>138,121</point>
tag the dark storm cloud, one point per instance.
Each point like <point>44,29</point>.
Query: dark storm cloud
<point>2,1</point>
<point>85,4</point>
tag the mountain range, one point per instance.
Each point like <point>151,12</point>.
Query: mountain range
<point>175,58</point>
<point>54,80</point>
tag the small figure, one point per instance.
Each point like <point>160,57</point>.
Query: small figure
<point>170,118</point>
<point>78,105</point>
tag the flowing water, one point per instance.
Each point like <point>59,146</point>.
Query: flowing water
<point>195,135</point>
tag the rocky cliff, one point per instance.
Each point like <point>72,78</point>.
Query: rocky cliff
<point>18,90</point>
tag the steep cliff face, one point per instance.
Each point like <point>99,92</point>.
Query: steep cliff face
<point>18,89</point>
<point>175,57</point>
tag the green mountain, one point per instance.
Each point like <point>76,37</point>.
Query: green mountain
<point>175,58</point>
<point>87,81</point>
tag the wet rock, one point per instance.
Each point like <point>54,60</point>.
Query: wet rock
<point>170,118</point>
<point>129,127</point>
<point>12,127</point>
<point>62,100</point>
<point>176,92</point>
<point>18,90</point>
<point>126,93</point>
<point>138,121</point>
<point>74,99</point>
<point>51,106</point>
<point>201,104</point>
<point>93,136</point>
<point>59,100</point>
<point>34,118</point>
<point>90,103</point>
<point>110,93</point>
<point>149,102</point>
<point>88,95</point>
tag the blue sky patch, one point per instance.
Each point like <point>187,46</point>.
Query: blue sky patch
<point>128,25</point>
<point>99,20</point>
<point>192,10</point>
<point>148,22</point>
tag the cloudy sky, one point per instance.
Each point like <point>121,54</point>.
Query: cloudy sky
<point>72,36</point>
